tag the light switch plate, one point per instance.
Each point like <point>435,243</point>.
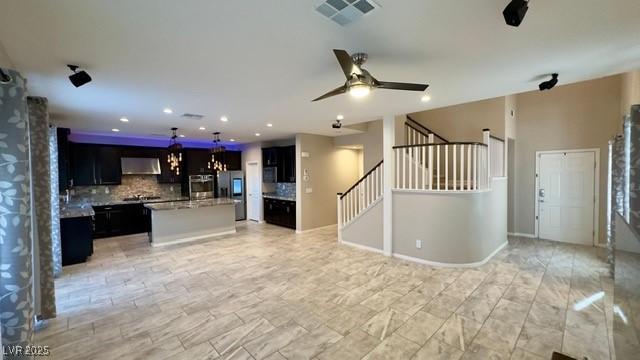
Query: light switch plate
<point>304,154</point>
<point>418,244</point>
<point>308,190</point>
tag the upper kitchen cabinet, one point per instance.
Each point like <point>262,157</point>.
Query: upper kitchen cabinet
<point>95,165</point>
<point>233,159</point>
<point>167,176</point>
<point>283,158</point>
<point>108,165</point>
<point>270,157</point>
<point>64,157</point>
<point>287,164</point>
<point>197,161</point>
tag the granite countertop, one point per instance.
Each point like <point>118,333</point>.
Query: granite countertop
<point>193,204</point>
<point>149,201</point>
<point>75,210</point>
<point>82,208</point>
<point>278,197</point>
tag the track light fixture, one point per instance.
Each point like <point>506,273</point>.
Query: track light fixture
<point>515,11</point>
<point>549,84</point>
<point>4,77</point>
<point>78,78</point>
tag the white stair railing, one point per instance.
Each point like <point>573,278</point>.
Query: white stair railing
<point>460,166</point>
<point>360,196</point>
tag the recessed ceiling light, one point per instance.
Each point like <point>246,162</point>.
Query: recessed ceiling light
<point>425,98</point>
<point>167,111</point>
<point>115,130</point>
<point>181,135</point>
<point>269,125</point>
<point>232,140</point>
<point>224,119</point>
<point>340,117</point>
<point>124,119</point>
<point>257,134</point>
<point>203,128</point>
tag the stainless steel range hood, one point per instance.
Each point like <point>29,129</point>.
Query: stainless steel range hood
<point>140,166</point>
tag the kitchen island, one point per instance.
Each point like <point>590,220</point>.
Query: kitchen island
<point>184,221</point>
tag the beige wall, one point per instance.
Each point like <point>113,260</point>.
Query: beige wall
<point>465,122</point>
<point>331,170</point>
<point>576,116</point>
<point>5,61</point>
<point>630,90</point>
<point>371,141</point>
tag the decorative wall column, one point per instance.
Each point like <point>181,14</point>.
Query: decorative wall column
<point>45,303</point>
<point>388,166</point>
<point>16,268</point>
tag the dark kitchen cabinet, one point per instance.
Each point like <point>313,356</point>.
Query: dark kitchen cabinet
<point>117,220</point>
<point>283,159</point>
<point>280,212</point>
<point>270,157</point>
<point>76,239</point>
<point>197,161</point>
<point>108,165</point>
<point>233,159</point>
<point>167,176</point>
<point>96,165</point>
<point>83,165</point>
<point>287,164</point>
<point>64,161</point>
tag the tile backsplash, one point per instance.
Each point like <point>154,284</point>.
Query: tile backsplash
<point>132,185</point>
<point>286,189</point>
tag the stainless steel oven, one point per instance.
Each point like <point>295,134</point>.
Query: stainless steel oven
<point>201,187</point>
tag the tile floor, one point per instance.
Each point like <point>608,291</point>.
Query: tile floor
<point>267,293</point>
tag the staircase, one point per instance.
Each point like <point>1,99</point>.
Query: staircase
<point>427,164</point>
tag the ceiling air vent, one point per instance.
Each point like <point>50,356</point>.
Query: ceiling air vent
<point>345,12</point>
<point>192,116</point>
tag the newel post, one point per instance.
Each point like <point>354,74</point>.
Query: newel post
<point>339,218</point>
<point>486,139</point>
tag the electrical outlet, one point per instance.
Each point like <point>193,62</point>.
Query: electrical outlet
<point>418,244</point>
<point>171,188</point>
<point>106,190</point>
<point>308,190</point>
<point>93,191</point>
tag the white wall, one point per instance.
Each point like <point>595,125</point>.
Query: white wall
<point>455,228</point>
<point>253,153</point>
<point>370,140</point>
<point>366,230</point>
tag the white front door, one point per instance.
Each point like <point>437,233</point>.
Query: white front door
<point>566,196</point>
<point>254,192</point>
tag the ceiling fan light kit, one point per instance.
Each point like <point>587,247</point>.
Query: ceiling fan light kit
<point>359,81</point>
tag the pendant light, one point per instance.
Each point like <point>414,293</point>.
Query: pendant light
<point>217,154</point>
<point>174,158</point>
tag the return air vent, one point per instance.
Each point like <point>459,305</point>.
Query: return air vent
<point>192,116</point>
<point>345,12</point>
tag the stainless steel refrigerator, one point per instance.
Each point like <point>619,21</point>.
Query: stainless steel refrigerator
<point>231,185</point>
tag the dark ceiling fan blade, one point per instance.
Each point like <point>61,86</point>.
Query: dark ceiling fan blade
<point>337,91</point>
<point>401,86</point>
<point>346,63</point>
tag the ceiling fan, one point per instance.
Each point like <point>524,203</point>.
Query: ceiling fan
<point>359,82</point>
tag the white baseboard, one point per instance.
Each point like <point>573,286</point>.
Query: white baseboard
<point>440,264</point>
<point>530,236</point>
<point>193,238</point>
<point>314,229</point>
<point>362,247</point>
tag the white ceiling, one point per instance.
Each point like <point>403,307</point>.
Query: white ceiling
<point>263,61</point>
